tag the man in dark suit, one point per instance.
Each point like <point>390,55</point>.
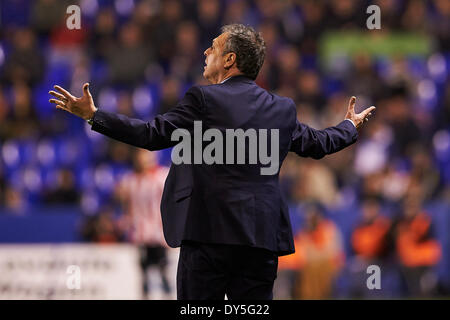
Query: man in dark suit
<point>229,218</point>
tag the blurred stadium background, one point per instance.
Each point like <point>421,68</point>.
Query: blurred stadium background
<point>384,201</point>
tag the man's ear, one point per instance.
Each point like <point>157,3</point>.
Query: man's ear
<point>229,60</point>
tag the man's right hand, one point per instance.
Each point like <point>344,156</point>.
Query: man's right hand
<point>358,118</point>
<point>82,107</point>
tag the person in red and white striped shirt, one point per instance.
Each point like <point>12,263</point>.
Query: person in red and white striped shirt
<point>140,193</point>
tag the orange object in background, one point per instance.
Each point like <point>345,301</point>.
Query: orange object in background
<point>369,240</point>
<point>413,251</point>
<point>314,244</point>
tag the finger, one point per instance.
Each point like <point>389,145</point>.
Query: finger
<point>62,108</point>
<point>57,95</point>
<point>367,112</point>
<point>59,104</point>
<point>351,103</point>
<point>56,101</point>
<point>64,92</point>
<point>86,89</point>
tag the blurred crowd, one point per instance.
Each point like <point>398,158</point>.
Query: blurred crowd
<point>380,202</point>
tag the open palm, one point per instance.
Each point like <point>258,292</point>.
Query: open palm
<point>82,107</point>
<point>358,118</point>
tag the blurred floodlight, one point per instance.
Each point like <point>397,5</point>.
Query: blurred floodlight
<point>441,141</point>
<point>86,178</point>
<point>89,203</point>
<point>32,179</point>
<point>370,157</point>
<point>339,64</point>
<point>89,7</point>
<point>93,135</point>
<point>104,178</point>
<point>107,100</point>
<point>142,101</point>
<point>68,152</point>
<point>10,153</point>
<point>437,67</point>
<point>45,152</point>
<point>2,55</point>
<point>124,7</point>
<point>426,89</point>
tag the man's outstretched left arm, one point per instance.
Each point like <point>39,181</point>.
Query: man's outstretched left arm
<point>309,142</point>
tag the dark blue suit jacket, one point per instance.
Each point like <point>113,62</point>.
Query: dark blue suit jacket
<point>222,203</point>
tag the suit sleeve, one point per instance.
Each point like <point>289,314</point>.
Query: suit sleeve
<point>309,142</point>
<point>155,134</point>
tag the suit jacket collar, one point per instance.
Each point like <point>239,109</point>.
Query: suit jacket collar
<point>239,77</point>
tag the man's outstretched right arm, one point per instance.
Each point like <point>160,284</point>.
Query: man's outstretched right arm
<point>151,135</point>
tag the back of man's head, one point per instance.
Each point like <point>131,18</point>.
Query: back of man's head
<point>249,47</point>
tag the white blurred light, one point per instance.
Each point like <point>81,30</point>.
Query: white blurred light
<point>142,100</point>
<point>89,203</point>
<point>89,7</point>
<point>124,7</point>
<point>339,63</point>
<point>108,100</point>
<point>32,179</point>
<point>68,152</point>
<point>441,141</point>
<point>370,157</point>
<point>436,66</point>
<point>2,55</point>
<point>93,135</point>
<point>45,153</point>
<point>10,153</point>
<point>426,89</point>
<point>104,178</point>
<point>86,178</point>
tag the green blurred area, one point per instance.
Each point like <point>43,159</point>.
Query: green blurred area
<point>376,43</point>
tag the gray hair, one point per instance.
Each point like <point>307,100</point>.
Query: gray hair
<point>249,47</point>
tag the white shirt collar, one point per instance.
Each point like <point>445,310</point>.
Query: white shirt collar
<point>224,80</point>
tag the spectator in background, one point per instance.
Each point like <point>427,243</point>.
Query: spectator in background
<point>345,14</point>
<point>15,200</point>
<point>4,110</point>
<point>313,25</point>
<point>26,63</point>
<point>315,182</point>
<point>140,193</point>
<point>424,176</point>
<point>46,14</point>
<point>417,249</point>
<point>64,191</point>
<point>101,228</point>
<point>372,243</point>
<point>22,121</point>
<point>170,94</point>
<point>319,256</point>
<point>185,63</point>
<point>363,79</point>
<point>161,33</point>
<point>390,9</point>
<point>370,237</point>
<point>309,91</point>
<point>208,18</point>
<point>406,131</point>
<point>127,61</point>
<point>441,24</point>
<point>104,33</point>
